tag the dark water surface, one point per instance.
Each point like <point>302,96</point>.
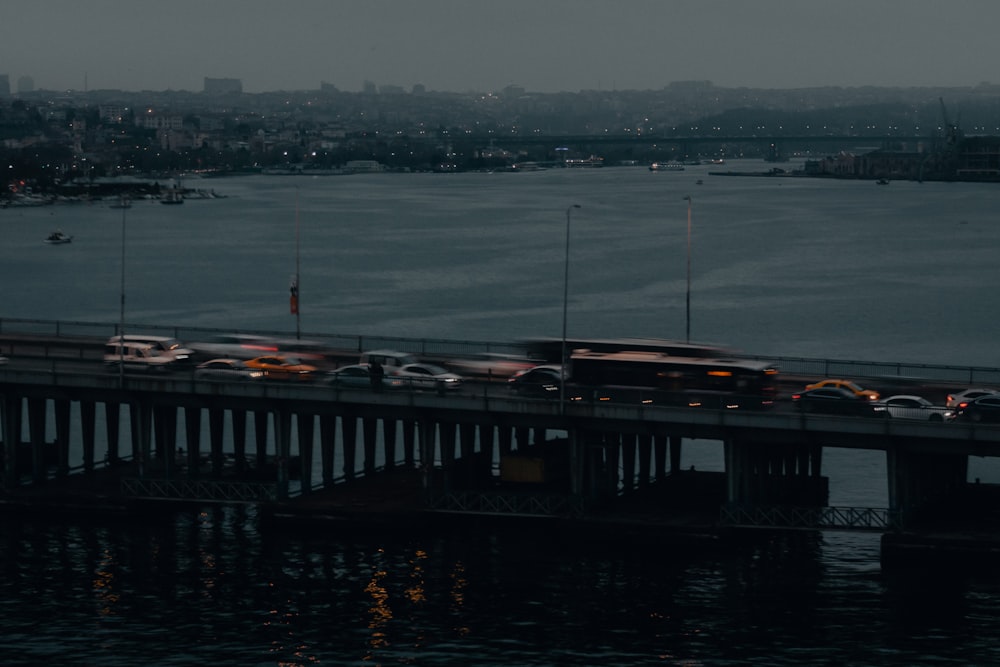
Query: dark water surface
<point>779,266</point>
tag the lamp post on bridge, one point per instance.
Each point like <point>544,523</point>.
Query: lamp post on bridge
<point>562,364</point>
<point>687,304</point>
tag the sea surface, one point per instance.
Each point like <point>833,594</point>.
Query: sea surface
<point>778,266</point>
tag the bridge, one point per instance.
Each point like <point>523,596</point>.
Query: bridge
<point>400,454</point>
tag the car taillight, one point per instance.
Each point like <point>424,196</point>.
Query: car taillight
<point>962,406</point>
<point>796,397</point>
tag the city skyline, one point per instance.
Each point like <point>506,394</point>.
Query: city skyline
<point>456,45</point>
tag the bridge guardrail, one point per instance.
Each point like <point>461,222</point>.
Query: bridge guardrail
<point>896,373</point>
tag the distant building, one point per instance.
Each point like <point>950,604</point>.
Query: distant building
<point>4,84</point>
<point>111,113</point>
<point>369,87</point>
<point>390,90</point>
<point>327,87</point>
<point>25,84</point>
<point>223,86</point>
<point>419,89</point>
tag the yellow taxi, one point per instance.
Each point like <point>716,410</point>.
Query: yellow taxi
<point>849,385</point>
<point>279,367</point>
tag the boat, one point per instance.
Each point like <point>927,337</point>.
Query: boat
<point>172,196</point>
<point>123,202</point>
<point>58,237</point>
<point>883,181</point>
<point>592,161</point>
<point>666,166</point>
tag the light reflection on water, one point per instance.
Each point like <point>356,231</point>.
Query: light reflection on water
<point>808,268</point>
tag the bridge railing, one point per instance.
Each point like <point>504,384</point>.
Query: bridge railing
<point>811,518</point>
<point>900,373</point>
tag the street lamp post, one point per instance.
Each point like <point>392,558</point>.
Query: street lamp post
<point>121,325</point>
<point>562,366</point>
<point>688,298</point>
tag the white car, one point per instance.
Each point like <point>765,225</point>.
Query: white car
<point>967,395</point>
<point>164,346</point>
<point>428,376</point>
<point>905,406</point>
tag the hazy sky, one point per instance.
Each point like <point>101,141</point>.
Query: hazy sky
<point>458,45</point>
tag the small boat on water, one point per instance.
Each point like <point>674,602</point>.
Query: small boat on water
<point>883,181</point>
<point>58,237</point>
<point>666,166</point>
<point>172,196</point>
<point>123,202</point>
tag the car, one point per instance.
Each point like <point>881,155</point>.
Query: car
<point>132,355</point>
<point>490,364</point>
<point>906,406</point>
<point>967,395</point>
<point>545,381</point>
<point>279,367</point>
<point>849,385</point>
<point>226,369</point>
<point>164,345</point>
<point>359,376</point>
<point>985,408</point>
<point>428,376</point>
<point>390,360</point>
<point>234,346</point>
<point>838,401</point>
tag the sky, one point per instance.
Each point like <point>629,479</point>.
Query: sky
<point>466,45</point>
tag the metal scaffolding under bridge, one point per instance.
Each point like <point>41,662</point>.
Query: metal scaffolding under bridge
<point>811,518</point>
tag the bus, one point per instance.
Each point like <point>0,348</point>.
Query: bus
<point>657,378</point>
<point>550,349</point>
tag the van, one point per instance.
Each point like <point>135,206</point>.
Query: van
<point>137,355</point>
<point>391,360</point>
<point>165,346</point>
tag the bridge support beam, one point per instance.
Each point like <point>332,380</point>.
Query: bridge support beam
<point>349,436</point>
<point>305,423</point>
<point>62,417</point>
<point>36,438</point>
<point>142,435</point>
<point>919,482</point>
<point>88,431</point>
<point>192,437</point>
<point>328,447</point>
<point>11,417</point>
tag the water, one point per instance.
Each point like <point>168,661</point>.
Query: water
<point>778,266</point>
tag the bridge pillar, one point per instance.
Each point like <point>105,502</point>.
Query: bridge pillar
<point>612,456</point>
<point>192,438</point>
<point>628,445</point>
<point>112,418</point>
<point>165,419</point>
<point>349,435</point>
<point>660,453</point>
<point>283,445</point>
<point>305,422</point>
<point>239,419</point>
<point>645,458</point>
<point>675,453</point>
<point>260,419</point>
<point>486,444</point>
<point>577,462</point>
<point>447,436</point>
<point>11,438</point>
<point>522,436</point>
<point>505,440</point>
<point>328,446</point>
<point>88,430</point>
<point>36,438</point>
<point>62,417</point>
<point>369,428</point>
<point>142,437</point>
<point>409,443</point>
<point>921,482</point>
<point>389,429</point>
<point>216,435</point>
<point>428,446</point>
